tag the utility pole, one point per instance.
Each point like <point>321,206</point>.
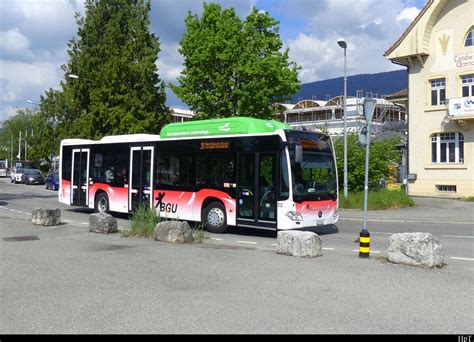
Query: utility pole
<point>19,148</point>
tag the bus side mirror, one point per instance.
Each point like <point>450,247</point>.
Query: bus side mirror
<point>298,154</point>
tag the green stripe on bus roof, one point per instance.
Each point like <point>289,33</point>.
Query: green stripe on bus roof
<point>226,126</point>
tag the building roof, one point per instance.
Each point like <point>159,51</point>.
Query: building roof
<point>409,28</point>
<point>398,94</point>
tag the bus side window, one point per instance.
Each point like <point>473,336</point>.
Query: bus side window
<point>174,170</point>
<point>121,165</point>
<point>215,170</point>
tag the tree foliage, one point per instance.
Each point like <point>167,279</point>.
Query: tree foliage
<point>118,90</point>
<point>383,154</point>
<point>234,67</point>
<point>22,122</point>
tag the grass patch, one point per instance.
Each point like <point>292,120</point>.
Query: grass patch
<point>378,200</point>
<point>469,199</point>
<point>143,222</point>
<point>199,233</point>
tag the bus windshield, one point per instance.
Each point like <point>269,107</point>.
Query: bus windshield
<point>314,179</point>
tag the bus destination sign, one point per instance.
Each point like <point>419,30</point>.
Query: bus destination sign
<point>215,145</point>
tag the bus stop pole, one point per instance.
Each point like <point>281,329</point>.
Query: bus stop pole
<point>364,238</point>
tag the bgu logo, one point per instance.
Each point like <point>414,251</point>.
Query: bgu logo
<point>165,207</point>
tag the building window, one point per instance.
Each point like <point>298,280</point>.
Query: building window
<point>446,188</point>
<point>438,92</point>
<point>467,85</point>
<point>470,37</point>
<point>447,148</point>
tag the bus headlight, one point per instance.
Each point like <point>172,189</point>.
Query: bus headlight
<point>294,216</point>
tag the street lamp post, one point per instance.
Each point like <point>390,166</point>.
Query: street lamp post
<point>342,43</point>
<point>77,77</point>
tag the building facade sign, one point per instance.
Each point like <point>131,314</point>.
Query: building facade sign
<point>464,60</point>
<point>461,106</point>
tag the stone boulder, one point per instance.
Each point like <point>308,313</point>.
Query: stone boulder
<point>300,244</point>
<point>174,232</point>
<point>102,223</point>
<point>46,217</point>
<point>417,249</point>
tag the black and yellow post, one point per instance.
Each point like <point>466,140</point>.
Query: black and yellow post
<point>364,244</point>
<point>364,237</point>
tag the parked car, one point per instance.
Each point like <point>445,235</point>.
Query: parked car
<point>52,181</point>
<point>32,176</point>
<point>15,176</point>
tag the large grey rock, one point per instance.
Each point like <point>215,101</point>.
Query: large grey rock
<point>418,249</point>
<point>102,223</point>
<point>301,244</point>
<point>46,217</point>
<point>174,232</point>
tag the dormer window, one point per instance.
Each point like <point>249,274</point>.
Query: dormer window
<point>470,37</point>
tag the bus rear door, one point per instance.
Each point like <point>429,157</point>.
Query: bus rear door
<point>80,177</point>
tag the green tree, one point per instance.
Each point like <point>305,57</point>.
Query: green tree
<point>118,90</point>
<point>383,154</point>
<point>234,67</point>
<point>51,126</point>
<point>22,121</point>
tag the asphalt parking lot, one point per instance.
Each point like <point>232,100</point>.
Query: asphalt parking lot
<point>65,280</point>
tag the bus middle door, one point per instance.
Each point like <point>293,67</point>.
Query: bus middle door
<point>140,188</point>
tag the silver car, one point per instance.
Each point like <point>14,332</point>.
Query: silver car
<point>16,175</point>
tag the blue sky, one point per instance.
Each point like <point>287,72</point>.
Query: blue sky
<point>34,35</point>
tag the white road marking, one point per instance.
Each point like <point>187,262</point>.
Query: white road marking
<point>403,221</point>
<point>217,239</point>
<point>458,236</point>
<point>70,221</point>
<point>247,242</point>
<point>328,249</point>
<point>375,252</point>
<point>458,258</point>
<point>85,223</point>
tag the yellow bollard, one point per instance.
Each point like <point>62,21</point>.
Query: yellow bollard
<point>364,244</point>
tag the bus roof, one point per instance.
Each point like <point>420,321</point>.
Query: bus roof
<point>124,138</point>
<point>226,126</point>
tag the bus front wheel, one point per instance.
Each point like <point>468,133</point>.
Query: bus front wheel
<point>214,218</point>
<point>102,203</point>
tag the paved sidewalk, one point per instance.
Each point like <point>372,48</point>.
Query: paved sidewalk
<point>426,210</point>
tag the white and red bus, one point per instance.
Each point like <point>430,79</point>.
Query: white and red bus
<point>224,172</point>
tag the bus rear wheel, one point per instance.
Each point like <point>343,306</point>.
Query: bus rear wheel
<point>102,203</point>
<point>214,218</point>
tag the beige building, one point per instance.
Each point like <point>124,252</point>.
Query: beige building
<point>438,50</point>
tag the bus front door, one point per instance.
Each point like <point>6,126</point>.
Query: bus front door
<point>80,177</point>
<point>256,200</point>
<point>140,186</point>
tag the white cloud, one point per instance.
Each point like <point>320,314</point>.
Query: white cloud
<point>368,27</point>
<point>13,41</point>
<point>407,15</point>
<point>20,81</point>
